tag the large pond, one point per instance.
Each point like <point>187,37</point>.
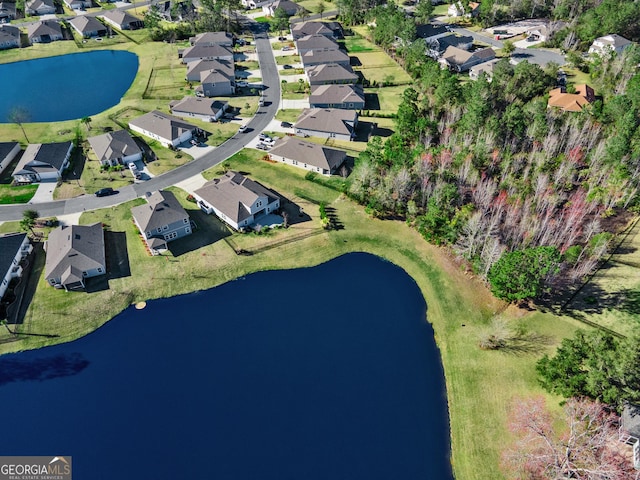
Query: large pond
<point>323,373</point>
<point>65,87</point>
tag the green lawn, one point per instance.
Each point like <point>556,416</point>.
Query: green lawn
<point>440,10</point>
<point>290,115</point>
<point>384,99</point>
<point>18,194</point>
<point>288,59</point>
<point>357,44</point>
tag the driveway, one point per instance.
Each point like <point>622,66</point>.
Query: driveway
<point>295,104</point>
<point>44,193</point>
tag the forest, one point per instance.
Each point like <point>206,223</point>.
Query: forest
<point>528,195</point>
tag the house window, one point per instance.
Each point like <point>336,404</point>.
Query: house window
<point>186,220</point>
<point>99,269</point>
<point>295,162</point>
<point>170,236</point>
<point>159,229</point>
<point>84,274</point>
<point>187,230</point>
<point>332,135</point>
<point>148,234</point>
<point>165,227</point>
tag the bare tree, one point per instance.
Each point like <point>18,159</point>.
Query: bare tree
<point>19,115</point>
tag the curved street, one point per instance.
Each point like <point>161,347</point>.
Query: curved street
<point>259,122</point>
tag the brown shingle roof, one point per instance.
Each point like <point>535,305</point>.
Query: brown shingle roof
<point>571,102</point>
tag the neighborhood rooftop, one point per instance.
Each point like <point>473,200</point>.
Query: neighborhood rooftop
<point>39,157</point>
<point>113,145</point>
<point>74,248</point>
<point>314,154</point>
<point>162,209</point>
<point>162,124</point>
<point>9,245</point>
<point>201,106</point>
<point>327,120</point>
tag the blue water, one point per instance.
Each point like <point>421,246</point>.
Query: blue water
<point>66,87</point>
<point>325,373</point>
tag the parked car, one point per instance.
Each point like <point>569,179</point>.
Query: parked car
<point>286,48</point>
<point>241,42</point>
<point>282,39</point>
<point>287,67</point>
<point>261,102</point>
<point>286,125</point>
<point>105,192</point>
<point>242,129</point>
<point>242,84</point>
<point>263,136</point>
<point>261,146</point>
<point>269,141</point>
<point>134,171</point>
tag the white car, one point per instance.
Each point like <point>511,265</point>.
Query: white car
<point>242,129</point>
<point>242,84</point>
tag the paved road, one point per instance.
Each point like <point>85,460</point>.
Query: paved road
<point>262,118</point>
<point>533,55</point>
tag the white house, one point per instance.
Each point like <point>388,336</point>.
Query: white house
<point>115,148</point>
<point>8,151</point>
<point>608,44</point>
<point>170,131</point>
<point>43,161</point>
<point>237,200</point>
<point>14,248</point>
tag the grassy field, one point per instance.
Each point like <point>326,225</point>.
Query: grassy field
<point>384,99</point>
<point>480,384</point>
<point>290,115</point>
<point>18,194</point>
<point>375,65</point>
<point>288,59</point>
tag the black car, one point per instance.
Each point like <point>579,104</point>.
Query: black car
<point>286,125</point>
<point>282,39</point>
<point>287,67</point>
<point>105,192</point>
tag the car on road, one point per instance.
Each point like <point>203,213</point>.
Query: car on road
<point>105,192</point>
<point>287,67</point>
<point>242,84</point>
<point>242,129</point>
<point>286,125</point>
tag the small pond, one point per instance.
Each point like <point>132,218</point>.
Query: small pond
<point>330,372</point>
<point>66,87</point>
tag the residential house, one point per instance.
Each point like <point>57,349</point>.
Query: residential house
<point>534,29</point>
<point>237,200</point>
<point>195,69</point>
<point>456,9</point>
<point>161,220</point>
<point>40,7</point>
<point>327,123</point>
<point>115,148</point>
<point>87,26</point>
<point>327,29</point>
<point>42,161</point>
<point>337,96</point>
<point>253,4</point>
<point>322,57</point>
<point>205,52</point>
<point>486,68</point>
<point>78,4</point>
<point>209,39</point>
<point>74,253</point>
<point>431,31</point>
<point>14,248</point>
<point>44,31</point>
<point>316,42</point>
<point>629,431</point>
<point>204,109</point>
<point>122,20</point>
<point>608,44</point>
<point>307,155</point>
<point>288,6</point>
<point>8,151</point>
<point>7,12</point>
<point>9,37</point>
<point>216,83</point>
<point>436,47</point>
<point>571,102</point>
<point>331,73</point>
<point>460,60</point>
<point>170,131</point>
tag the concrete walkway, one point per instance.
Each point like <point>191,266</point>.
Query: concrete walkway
<point>69,219</point>
<point>44,193</point>
<point>192,183</point>
<point>294,104</point>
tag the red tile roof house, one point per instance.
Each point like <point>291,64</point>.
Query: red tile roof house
<point>14,248</point>
<point>237,200</point>
<point>571,102</point>
<point>161,220</point>
<point>170,131</point>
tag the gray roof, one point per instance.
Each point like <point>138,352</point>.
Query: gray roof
<point>324,56</point>
<point>332,120</point>
<point>335,94</point>
<point>287,5</point>
<point>310,153</point>
<point>162,209</point>
<point>614,40</point>
<point>316,42</point>
<point>9,246</point>
<point>85,23</point>
<point>162,124</point>
<point>233,194</point>
<point>223,66</point>
<point>212,38</point>
<point>331,72</point>
<point>485,67</point>
<point>113,145</point>
<point>40,157</point>
<point>201,106</point>
<point>453,41</point>
<point>302,29</point>
<point>8,8</point>
<point>457,56</point>
<point>44,27</point>
<point>6,148</point>
<point>9,32</point>
<point>74,249</point>
<point>120,17</point>
<point>206,51</point>
<point>35,4</point>
<point>631,419</point>
<point>430,30</point>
